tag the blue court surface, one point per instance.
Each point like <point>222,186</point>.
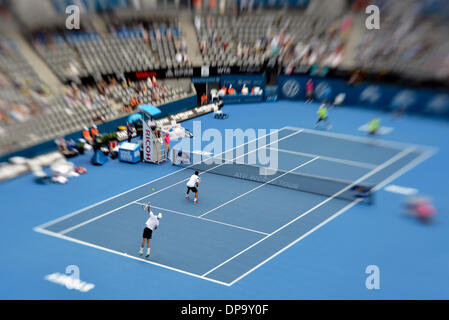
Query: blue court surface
<point>245,239</point>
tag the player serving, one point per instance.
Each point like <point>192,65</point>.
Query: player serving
<point>192,185</point>
<point>151,225</point>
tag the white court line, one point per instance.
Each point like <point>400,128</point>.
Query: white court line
<point>163,189</point>
<point>394,176</point>
<point>366,140</point>
<point>339,212</point>
<point>369,174</point>
<point>406,168</point>
<point>38,229</point>
<point>205,219</point>
<point>52,222</point>
<point>344,161</point>
<point>260,186</point>
<point>60,236</point>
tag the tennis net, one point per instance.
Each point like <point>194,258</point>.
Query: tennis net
<point>221,165</point>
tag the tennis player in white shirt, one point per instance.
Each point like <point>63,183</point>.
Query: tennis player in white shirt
<point>193,182</point>
<point>151,225</point>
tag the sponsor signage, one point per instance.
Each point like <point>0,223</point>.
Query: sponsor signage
<point>148,138</point>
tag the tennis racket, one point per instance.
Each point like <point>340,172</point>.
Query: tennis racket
<point>338,100</point>
<point>145,206</point>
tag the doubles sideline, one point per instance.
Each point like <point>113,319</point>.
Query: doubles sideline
<point>372,172</point>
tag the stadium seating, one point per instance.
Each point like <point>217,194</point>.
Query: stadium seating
<point>79,107</point>
<point>165,92</point>
<point>15,65</point>
<point>30,113</point>
<point>252,40</point>
<point>60,56</point>
<point>134,46</point>
<point>408,43</point>
<point>22,94</point>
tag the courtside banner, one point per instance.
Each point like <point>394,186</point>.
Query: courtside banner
<point>148,152</point>
<point>386,97</point>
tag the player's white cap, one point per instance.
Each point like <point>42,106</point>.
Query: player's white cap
<point>159,216</point>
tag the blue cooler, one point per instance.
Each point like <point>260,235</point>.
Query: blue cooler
<point>129,152</point>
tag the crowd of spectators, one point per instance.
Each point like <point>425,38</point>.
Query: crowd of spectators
<point>59,55</point>
<point>30,113</point>
<point>289,39</point>
<point>130,94</point>
<point>22,93</point>
<point>409,42</point>
<point>87,96</point>
<point>127,46</point>
<point>16,103</point>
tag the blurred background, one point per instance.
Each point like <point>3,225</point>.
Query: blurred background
<point>55,81</point>
<point>76,93</point>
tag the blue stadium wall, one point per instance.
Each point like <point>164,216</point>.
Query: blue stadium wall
<point>374,95</point>
<point>237,82</point>
<point>177,106</point>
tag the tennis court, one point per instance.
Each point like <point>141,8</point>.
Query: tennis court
<point>240,224</point>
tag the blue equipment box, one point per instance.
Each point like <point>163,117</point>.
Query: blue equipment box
<point>129,152</point>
